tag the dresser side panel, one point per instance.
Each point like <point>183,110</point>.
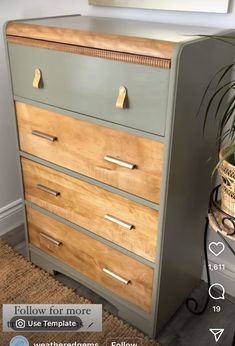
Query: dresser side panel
<point>188,183</point>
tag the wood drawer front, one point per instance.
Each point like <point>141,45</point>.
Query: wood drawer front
<point>82,147</point>
<point>90,257</point>
<point>91,207</point>
<point>91,85</point>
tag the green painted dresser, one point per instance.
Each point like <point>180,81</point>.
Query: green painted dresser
<point>115,170</point>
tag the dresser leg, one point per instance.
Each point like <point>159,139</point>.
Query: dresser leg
<point>125,313</point>
<point>42,263</point>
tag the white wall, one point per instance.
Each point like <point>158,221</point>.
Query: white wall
<point>10,214</point>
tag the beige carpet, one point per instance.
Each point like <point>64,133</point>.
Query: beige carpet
<point>23,283</point>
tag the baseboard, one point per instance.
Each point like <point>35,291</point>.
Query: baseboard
<point>225,277</point>
<point>11,216</point>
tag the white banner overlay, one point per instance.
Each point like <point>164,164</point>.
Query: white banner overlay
<point>52,317</point>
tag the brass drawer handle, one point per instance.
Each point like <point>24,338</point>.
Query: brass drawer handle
<point>50,239</point>
<point>44,135</point>
<point>120,162</point>
<point>48,190</point>
<point>115,276</point>
<point>122,96</point>
<point>37,78</point>
<point>119,222</point>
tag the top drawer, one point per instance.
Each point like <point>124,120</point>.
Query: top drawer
<point>91,85</point>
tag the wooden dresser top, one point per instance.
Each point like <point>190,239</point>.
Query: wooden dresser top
<point>119,35</point>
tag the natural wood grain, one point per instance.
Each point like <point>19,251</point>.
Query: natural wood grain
<point>82,146</point>
<point>120,43</point>
<point>104,54</point>
<point>89,257</point>
<point>87,205</point>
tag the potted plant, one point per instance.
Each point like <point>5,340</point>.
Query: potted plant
<point>219,99</point>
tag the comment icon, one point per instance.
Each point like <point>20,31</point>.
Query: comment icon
<point>217,291</point>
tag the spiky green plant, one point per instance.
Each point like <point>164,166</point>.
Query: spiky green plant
<point>219,99</point>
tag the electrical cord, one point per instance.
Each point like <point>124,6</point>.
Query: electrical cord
<point>213,205</point>
<point>192,300</point>
<point>233,342</point>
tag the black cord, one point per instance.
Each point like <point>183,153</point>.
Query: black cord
<point>213,205</point>
<point>226,242</point>
<point>233,342</point>
<point>193,301</point>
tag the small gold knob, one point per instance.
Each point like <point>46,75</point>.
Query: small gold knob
<point>122,96</point>
<point>37,78</point>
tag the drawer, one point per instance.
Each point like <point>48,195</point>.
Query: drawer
<point>90,86</point>
<point>115,218</point>
<point>132,280</point>
<point>87,148</point>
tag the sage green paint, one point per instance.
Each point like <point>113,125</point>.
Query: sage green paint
<point>91,85</point>
<point>90,234</point>
<point>184,190</point>
<point>92,119</point>
<point>92,181</point>
<point>187,175</point>
<point>126,311</point>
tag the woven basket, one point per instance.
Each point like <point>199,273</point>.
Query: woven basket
<point>227,174</point>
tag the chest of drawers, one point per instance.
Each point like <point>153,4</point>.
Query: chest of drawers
<point>114,167</point>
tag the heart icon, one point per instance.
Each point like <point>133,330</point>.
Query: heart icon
<point>216,248</point>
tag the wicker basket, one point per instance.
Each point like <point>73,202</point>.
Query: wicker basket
<point>227,174</point>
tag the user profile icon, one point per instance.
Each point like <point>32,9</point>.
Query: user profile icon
<point>218,292</point>
<point>19,340</point>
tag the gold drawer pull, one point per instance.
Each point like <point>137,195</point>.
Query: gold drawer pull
<point>120,162</point>
<point>115,276</point>
<point>52,240</point>
<point>37,78</point>
<point>48,190</point>
<point>44,135</point>
<point>121,99</point>
<point>119,222</point>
